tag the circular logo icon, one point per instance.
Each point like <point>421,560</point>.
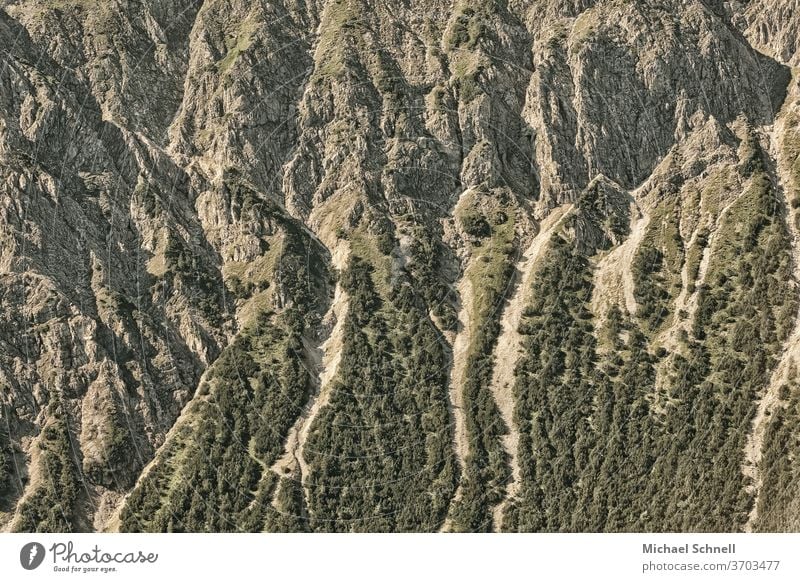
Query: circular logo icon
<point>31,555</point>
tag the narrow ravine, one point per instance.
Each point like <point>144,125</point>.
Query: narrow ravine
<point>326,358</point>
<point>686,301</point>
<point>685,297</point>
<point>508,347</point>
<point>457,370</point>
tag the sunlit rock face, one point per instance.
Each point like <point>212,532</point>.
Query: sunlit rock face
<point>341,265</point>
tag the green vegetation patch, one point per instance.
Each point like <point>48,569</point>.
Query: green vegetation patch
<point>339,19</point>
<point>791,153</point>
<point>380,452</point>
<point>52,506</point>
<point>468,25</point>
<point>745,312</point>
<point>200,279</point>
<point>211,481</point>
<point>779,508</point>
<point>427,273</point>
<point>594,455</point>
<point>584,444</point>
<point>214,474</point>
<point>238,44</point>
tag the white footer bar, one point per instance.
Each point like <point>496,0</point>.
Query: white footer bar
<point>388,557</point>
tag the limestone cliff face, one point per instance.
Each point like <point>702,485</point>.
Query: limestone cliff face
<point>231,232</point>
<point>770,27</point>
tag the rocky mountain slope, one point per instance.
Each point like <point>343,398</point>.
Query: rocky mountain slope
<point>355,265</point>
